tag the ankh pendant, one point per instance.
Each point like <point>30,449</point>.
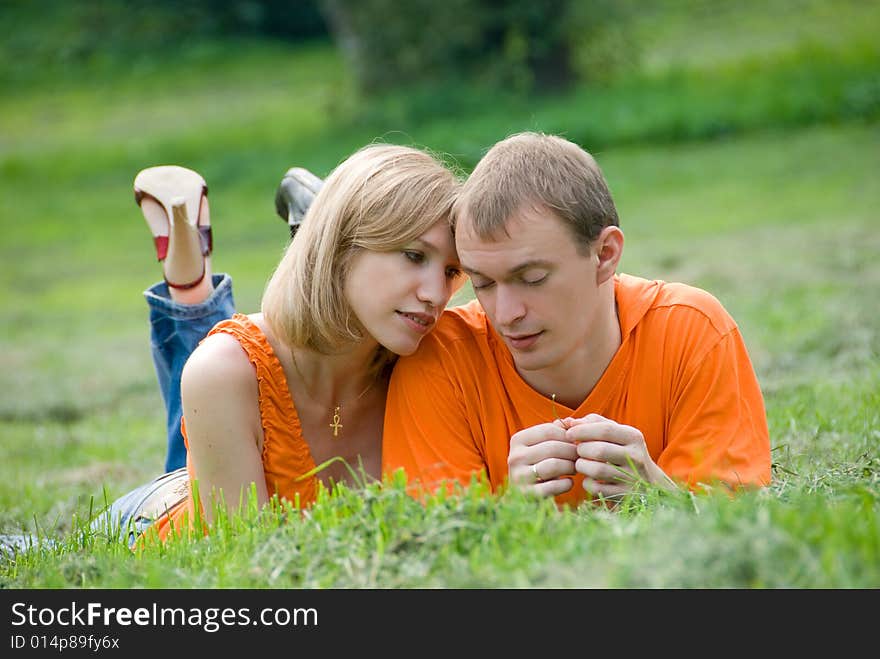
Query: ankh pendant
<point>336,425</point>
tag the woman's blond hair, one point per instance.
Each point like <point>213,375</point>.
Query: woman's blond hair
<point>380,198</point>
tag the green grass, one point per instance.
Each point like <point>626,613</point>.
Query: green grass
<point>381,538</point>
<point>776,215</point>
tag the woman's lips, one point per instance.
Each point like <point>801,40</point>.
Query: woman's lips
<point>418,322</point>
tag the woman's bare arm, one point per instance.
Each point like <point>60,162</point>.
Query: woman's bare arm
<point>222,415</point>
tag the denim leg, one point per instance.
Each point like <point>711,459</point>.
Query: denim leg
<point>125,519</point>
<point>176,330</point>
<point>134,512</point>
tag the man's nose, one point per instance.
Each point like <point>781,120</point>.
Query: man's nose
<point>509,307</point>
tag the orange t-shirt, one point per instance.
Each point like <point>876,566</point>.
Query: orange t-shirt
<point>286,455</point>
<point>681,376</point>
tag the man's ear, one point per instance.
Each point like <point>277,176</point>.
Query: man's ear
<point>608,248</point>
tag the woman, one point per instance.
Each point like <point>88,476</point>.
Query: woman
<point>271,397</point>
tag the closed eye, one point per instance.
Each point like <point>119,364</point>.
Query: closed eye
<point>414,256</point>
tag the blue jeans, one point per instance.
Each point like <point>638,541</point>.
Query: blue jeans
<point>176,330</point>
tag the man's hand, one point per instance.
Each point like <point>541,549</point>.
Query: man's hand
<point>612,457</point>
<point>542,459</point>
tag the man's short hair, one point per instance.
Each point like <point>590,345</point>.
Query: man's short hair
<point>544,171</point>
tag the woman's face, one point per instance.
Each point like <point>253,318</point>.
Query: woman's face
<point>398,296</point>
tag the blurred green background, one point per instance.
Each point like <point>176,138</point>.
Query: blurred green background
<point>740,140</point>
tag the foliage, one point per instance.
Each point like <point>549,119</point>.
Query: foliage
<point>812,85</point>
<point>520,45</point>
<point>57,36</point>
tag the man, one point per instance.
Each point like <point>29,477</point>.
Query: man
<point>566,378</point>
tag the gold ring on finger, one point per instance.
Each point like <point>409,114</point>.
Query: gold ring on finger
<point>538,478</point>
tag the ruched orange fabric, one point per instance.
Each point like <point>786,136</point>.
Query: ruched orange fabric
<point>286,455</point>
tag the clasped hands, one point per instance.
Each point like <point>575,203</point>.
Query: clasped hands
<point>612,457</point>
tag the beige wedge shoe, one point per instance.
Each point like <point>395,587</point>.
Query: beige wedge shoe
<point>174,201</point>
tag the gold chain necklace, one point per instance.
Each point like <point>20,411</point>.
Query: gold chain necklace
<point>553,403</point>
<point>337,410</point>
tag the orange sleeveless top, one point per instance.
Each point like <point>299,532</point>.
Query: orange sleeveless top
<point>286,456</point>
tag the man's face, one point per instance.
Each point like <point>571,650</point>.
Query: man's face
<point>540,292</point>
